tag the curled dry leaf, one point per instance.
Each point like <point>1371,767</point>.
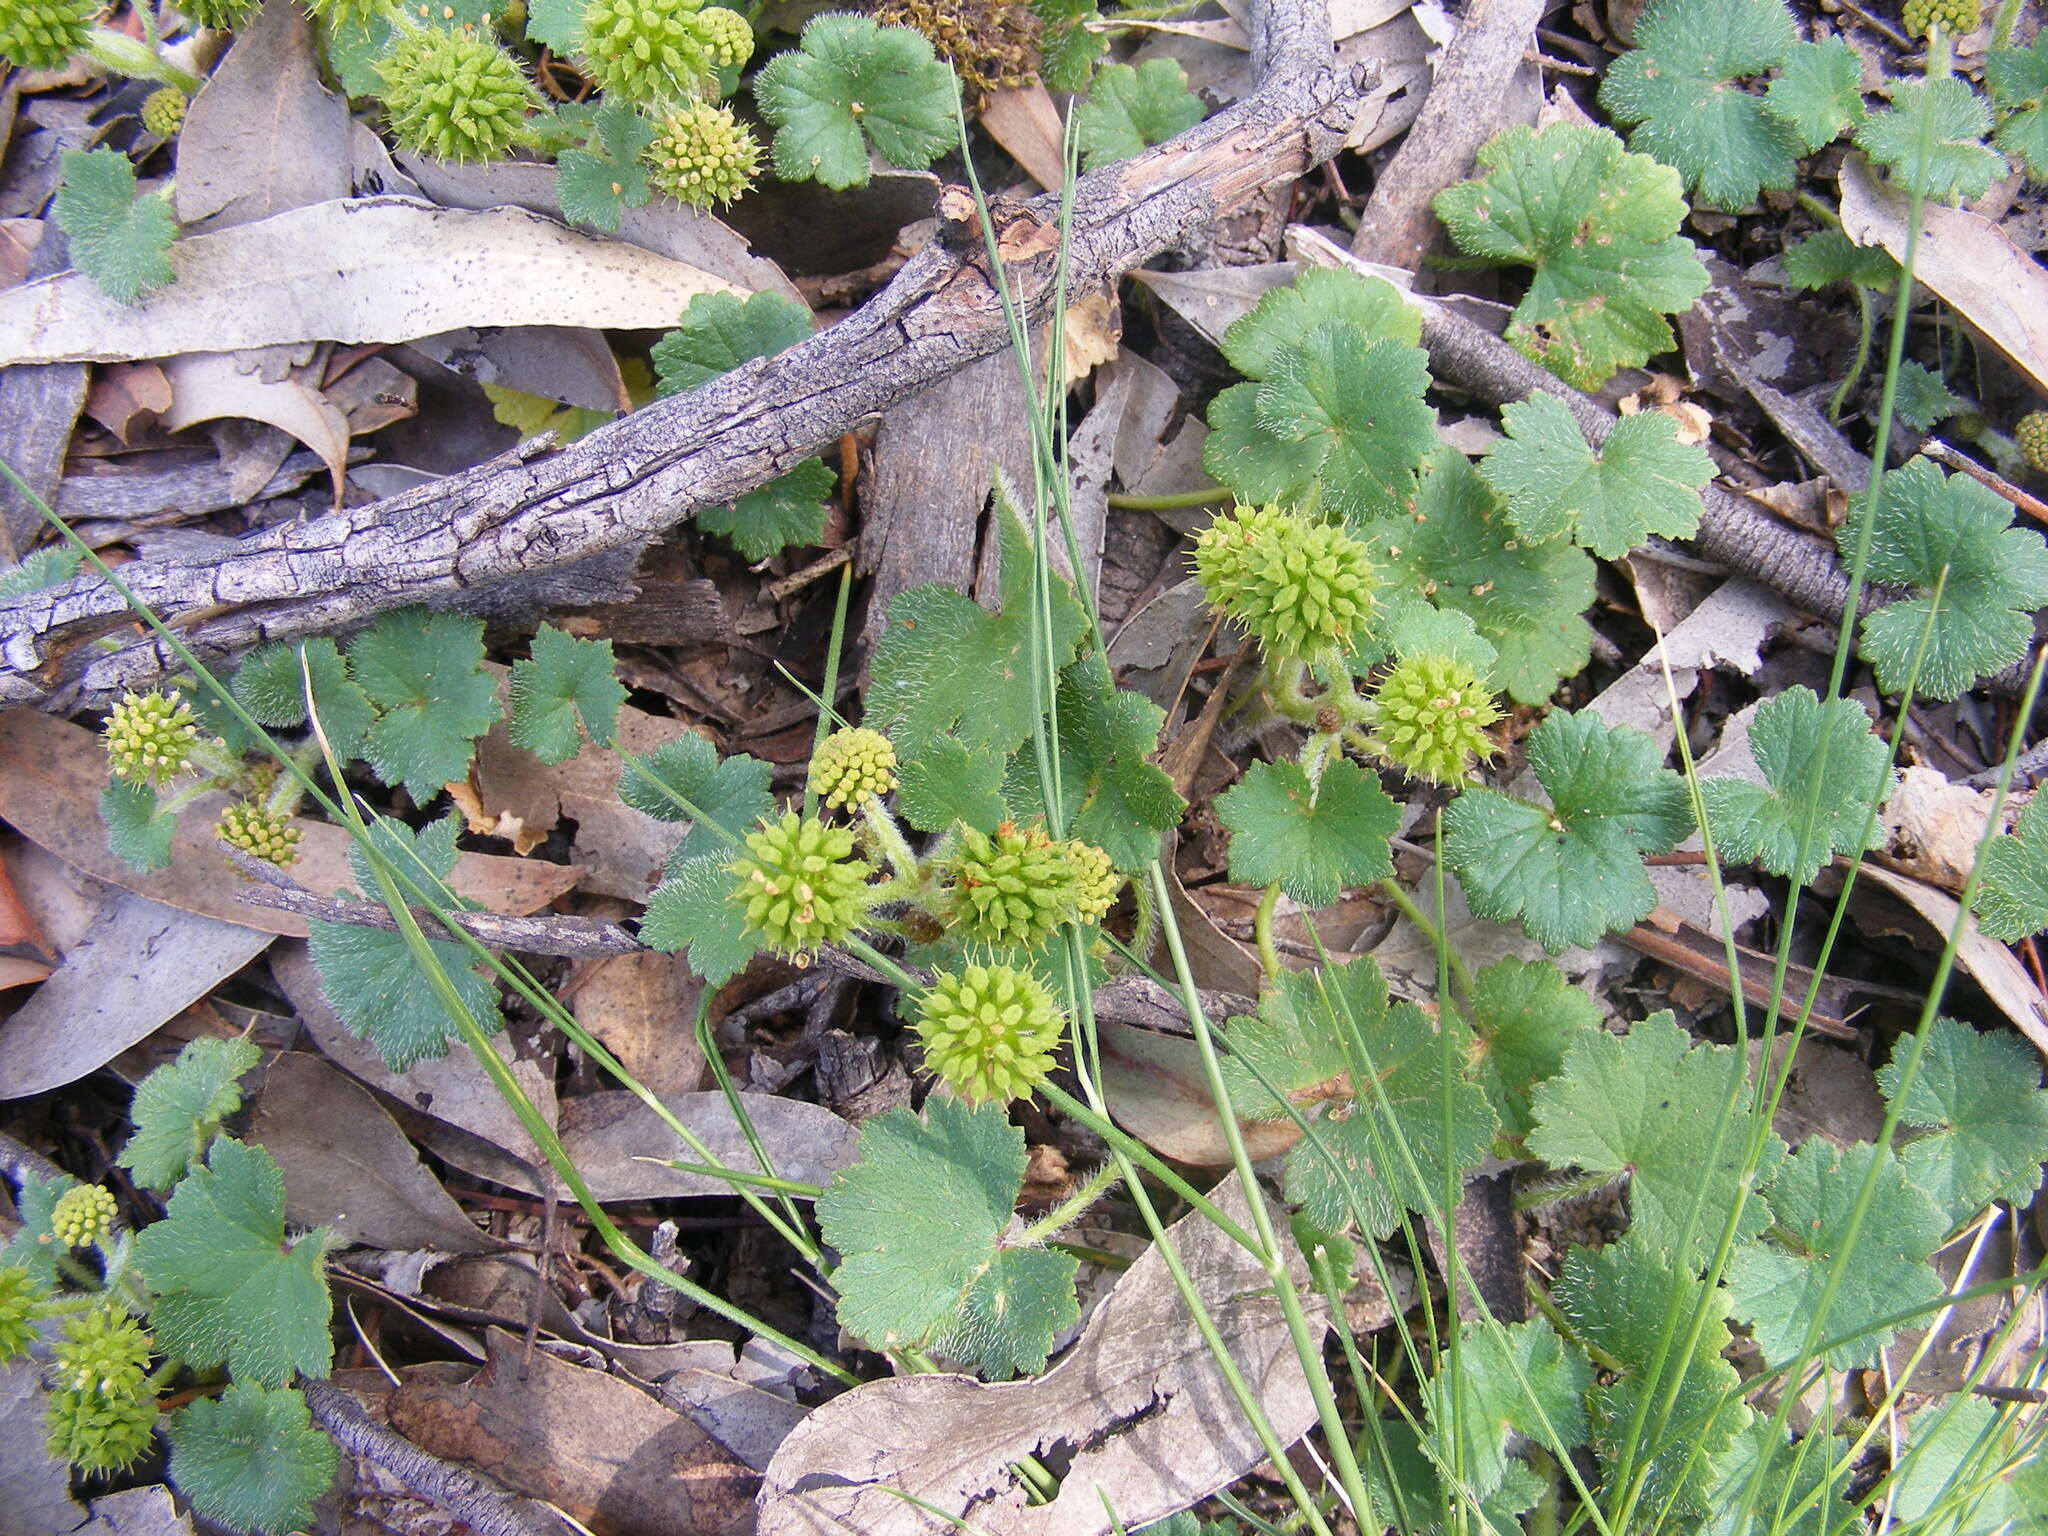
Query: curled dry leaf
<point>1138,1395</point>
<point>375,269</point>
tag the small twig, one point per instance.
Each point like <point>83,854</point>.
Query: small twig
<point>1962,463</point>
<point>486,1508</point>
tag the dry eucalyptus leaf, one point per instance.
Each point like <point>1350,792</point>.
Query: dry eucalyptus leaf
<point>1968,260</point>
<point>348,1167</point>
<point>1138,1401</point>
<point>207,386</point>
<point>374,269</point>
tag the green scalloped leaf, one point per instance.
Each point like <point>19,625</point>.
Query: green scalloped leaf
<point>1310,840</point>
<point>178,1108</point>
<point>251,1458</point>
<point>566,680</point>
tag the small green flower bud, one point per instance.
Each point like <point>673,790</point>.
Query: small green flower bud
<point>163,113</point>
<point>83,1215</point>
<point>1958,18</point>
<point>801,884</point>
<point>1012,890</point>
<point>849,766</point>
<point>651,52</point>
<point>989,1032</point>
<point>253,829</point>
<point>726,36</point>
<point>103,1351</point>
<point>1430,715</point>
<point>221,15</point>
<point>149,737</point>
<point>99,1434</point>
<point>1299,587</point>
<point>1098,879</point>
<point>19,1297</point>
<point>702,155</point>
<point>44,34</point>
<point>2031,433</point>
<point>358,14</point>
<point>455,96</point>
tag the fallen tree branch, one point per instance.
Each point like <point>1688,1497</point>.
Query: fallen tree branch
<point>628,482</point>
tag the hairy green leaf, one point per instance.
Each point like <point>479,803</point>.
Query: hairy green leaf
<point>45,568</point>
<point>1832,257</point>
<point>1600,226</point>
<point>1496,1378</point>
<point>251,1458</point>
<point>564,681</point>
<point>178,1108</point>
<point>1775,1286</point>
<point>424,671</point>
<point>1310,840</point>
<point>139,832</point>
<point>119,240</point>
<point>1921,399</point>
<point>1130,109</point>
<point>694,909</point>
<point>271,685</point>
<point>598,182</point>
<point>945,783</point>
<point>1573,871</point>
<point>1828,803</point>
<point>919,1222</point>
<point>230,1289</point>
<point>1646,1104</point>
<point>686,780</point>
<point>1928,522</point>
<point>1678,89</point>
<point>1982,1116</point>
<point>2012,888</point>
<point>788,510</point>
<point>1116,798</point>
<point>1958,166</point>
<point>1818,92</point>
<point>1526,1016</point>
<point>1641,481</point>
<point>1067,46</point>
<point>2018,80</point>
<point>848,84</point>
<point>1358,404</point>
<point>718,332</point>
<point>1281,321</point>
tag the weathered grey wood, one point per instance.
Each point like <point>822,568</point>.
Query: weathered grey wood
<point>39,405</point>
<point>643,474</point>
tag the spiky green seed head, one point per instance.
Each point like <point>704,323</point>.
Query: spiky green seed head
<point>83,1215</point>
<point>1430,715</point>
<point>850,766</point>
<point>991,44</point>
<point>149,737</point>
<point>702,155</point>
<point>99,1434</point>
<point>652,52</point>
<point>1013,889</point>
<point>1299,586</point>
<point>1098,880</point>
<point>163,113</point>
<point>19,1297</point>
<point>222,15</point>
<point>44,34</point>
<point>1958,18</point>
<point>251,828</point>
<point>726,36</point>
<point>989,1032</point>
<point>2031,433</point>
<point>800,884</point>
<point>103,1351</point>
<point>455,96</point>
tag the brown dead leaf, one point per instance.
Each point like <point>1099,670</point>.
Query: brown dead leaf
<point>1933,827</point>
<point>128,397</point>
<point>1137,1402</point>
<point>641,1007</point>
<point>348,1167</point>
<point>207,386</point>
<point>592,1444</point>
<point>1026,122</point>
<point>50,793</point>
<point>1157,1091</point>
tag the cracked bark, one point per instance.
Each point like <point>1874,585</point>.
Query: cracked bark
<point>632,480</point>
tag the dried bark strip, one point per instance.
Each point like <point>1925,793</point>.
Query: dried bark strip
<point>630,481</point>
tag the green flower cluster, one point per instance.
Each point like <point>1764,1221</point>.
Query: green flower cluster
<point>83,1215</point>
<point>225,15</point>
<point>163,112</point>
<point>149,737</point>
<point>703,155</point>
<point>852,765</point>
<point>1958,18</point>
<point>44,34</point>
<point>1430,715</point>
<point>20,1296</point>
<point>1301,587</point>
<point>102,1412</point>
<point>455,96</point>
<point>660,52</point>
<point>269,835</point>
<point>2031,433</point>
<point>1016,888</point>
<point>800,884</point>
<point>989,1032</point>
